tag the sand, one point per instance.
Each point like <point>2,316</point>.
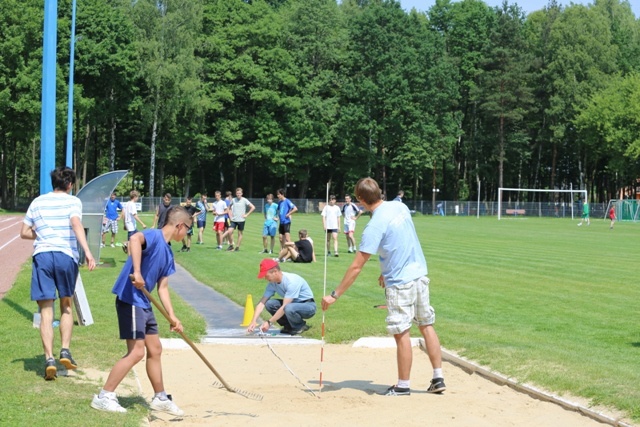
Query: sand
<point>288,380</point>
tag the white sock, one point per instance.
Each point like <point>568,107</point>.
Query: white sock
<point>162,395</point>
<point>437,373</point>
<point>403,383</point>
<point>104,393</point>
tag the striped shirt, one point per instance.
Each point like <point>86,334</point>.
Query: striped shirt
<point>50,215</point>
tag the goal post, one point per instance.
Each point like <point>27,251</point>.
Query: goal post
<point>625,209</point>
<point>537,190</point>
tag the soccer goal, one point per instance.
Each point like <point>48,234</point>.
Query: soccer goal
<point>513,202</point>
<point>625,209</point>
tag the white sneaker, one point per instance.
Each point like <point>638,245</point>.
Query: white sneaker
<point>108,403</point>
<point>102,245</point>
<point>113,246</point>
<point>166,406</point>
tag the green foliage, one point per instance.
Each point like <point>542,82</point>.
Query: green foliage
<point>262,94</point>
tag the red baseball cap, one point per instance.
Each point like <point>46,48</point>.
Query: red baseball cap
<point>266,265</point>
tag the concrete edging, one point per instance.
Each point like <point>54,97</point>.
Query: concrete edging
<point>497,378</point>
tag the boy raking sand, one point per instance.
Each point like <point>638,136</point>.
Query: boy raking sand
<point>150,263</point>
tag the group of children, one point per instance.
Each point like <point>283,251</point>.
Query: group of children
<point>150,263</point>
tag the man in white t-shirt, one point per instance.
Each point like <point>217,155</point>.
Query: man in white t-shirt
<point>331,222</point>
<point>130,215</point>
<point>351,212</point>
<point>219,212</point>
<point>54,221</point>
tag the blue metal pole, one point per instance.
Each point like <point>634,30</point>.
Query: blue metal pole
<point>71,68</point>
<point>48,120</point>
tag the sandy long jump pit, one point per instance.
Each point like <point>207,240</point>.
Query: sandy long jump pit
<point>352,378</point>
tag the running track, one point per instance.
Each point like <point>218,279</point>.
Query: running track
<point>14,251</point>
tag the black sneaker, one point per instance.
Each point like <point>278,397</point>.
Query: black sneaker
<point>336,255</point>
<point>50,370</point>
<point>305,328</point>
<point>188,250</point>
<point>285,331</point>
<point>184,249</point>
<point>237,249</point>
<point>397,391</point>
<point>230,248</point>
<point>437,386</point>
<point>264,251</point>
<point>67,360</point>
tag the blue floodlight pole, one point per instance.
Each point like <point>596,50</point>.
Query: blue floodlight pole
<point>70,108</point>
<point>48,120</point>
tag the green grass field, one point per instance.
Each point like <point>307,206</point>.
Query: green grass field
<point>540,300</point>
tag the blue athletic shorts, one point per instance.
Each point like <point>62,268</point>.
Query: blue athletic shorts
<point>53,271</point>
<point>202,223</point>
<point>134,322</point>
<point>269,230</point>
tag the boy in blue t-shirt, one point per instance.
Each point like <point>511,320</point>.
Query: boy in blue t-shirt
<point>150,263</point>
<point>269,228</point>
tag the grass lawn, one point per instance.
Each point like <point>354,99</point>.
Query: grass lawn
<point>540,300</point>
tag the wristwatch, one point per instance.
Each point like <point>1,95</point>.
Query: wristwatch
<point>334,295</point>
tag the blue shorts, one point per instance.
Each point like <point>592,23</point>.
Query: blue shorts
<point>202,223</point>
<point>53,271</point>
<point>134,322</point>
<point>269,230</point>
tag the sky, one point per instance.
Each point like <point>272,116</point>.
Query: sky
<point>527,5</point>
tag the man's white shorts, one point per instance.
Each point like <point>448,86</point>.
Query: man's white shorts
<point>349,227</point>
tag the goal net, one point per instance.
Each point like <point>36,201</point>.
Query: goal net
<point>527,202</point>
<point>625,209</point>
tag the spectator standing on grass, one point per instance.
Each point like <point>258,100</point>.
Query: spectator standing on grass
<point>130,215</point>
<point>150,264</point>
<point>269,227</point>
<point>285,209</point>
<point>227,218</point>
<point>161,211</point>
<point>193,211</point>
<point>585,214</point>
<point>296,305</point>
<point>390,233</point>
<point>111,217</point>
<point>300,251</point>
<point>54,221</point>
<point>220,216</point>
<point>331,222</point>
<point>612,217</point>
<point>351,212</point>
<point>239,214</point>
<point>202,217</point>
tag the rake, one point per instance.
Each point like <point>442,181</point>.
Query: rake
<point>223,383</point>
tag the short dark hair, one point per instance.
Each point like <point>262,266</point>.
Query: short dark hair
<point>61,177</point>
<point>280,191</point>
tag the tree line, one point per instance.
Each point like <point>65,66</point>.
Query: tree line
<point>199,95</point>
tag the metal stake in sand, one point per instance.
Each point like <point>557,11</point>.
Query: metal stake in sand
<point>324,292</point>
<point>244,393</point>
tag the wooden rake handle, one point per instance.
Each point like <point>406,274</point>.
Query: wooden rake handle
<point>184,337</point>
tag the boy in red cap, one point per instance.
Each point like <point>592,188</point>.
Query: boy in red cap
<point>296,305</point>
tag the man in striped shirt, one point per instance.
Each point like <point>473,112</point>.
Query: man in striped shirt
<point>54,221</point>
